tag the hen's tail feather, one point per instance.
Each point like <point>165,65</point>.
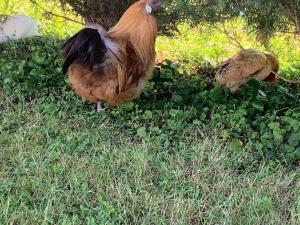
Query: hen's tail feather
<point>86,47</point>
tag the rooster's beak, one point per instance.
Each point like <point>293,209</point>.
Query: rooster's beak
<point>158,6</point>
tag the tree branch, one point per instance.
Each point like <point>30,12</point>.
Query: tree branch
<point>229,36</point>
<point>53,14</point>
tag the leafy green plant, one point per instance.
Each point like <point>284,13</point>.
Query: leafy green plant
<point>187,146</point>
<point>292,72</point>
<point>31,67</point>
<point>261,118</point>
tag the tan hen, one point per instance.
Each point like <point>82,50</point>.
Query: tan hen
<point>246,65</point>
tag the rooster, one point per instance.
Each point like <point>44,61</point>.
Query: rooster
<point>17,27</point>
<point>246,65</point>
<point>113,66</point>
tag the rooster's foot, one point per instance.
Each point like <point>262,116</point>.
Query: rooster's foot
<point>99,107</point>
<point>146,94</point>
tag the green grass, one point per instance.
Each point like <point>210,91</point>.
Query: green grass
<point>65,164</point>
<point>190,153</point>
<point>196,46</point>
<point>48,23</point>
<point>209,44</point>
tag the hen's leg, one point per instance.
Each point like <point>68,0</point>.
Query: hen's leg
<point>99,107</point>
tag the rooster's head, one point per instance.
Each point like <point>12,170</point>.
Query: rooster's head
<point>152,6</point>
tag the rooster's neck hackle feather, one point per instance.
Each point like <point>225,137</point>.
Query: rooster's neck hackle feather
<point>138,28</point>
<point>135,33</point>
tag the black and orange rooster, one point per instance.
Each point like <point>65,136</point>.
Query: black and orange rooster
<point>113,66</point>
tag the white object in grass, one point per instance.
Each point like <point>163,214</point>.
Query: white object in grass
<point>18,27</point>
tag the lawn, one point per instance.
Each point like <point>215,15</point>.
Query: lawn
<point>186,152</point>
<point>61,163</point>
<point>189,152</point>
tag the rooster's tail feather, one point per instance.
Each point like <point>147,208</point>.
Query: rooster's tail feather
<point>86,47</point>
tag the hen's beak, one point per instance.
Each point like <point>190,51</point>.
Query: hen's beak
<point>271,78</point>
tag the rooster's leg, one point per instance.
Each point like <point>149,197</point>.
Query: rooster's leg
<point>146,94</point>
<point>99,107</point>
